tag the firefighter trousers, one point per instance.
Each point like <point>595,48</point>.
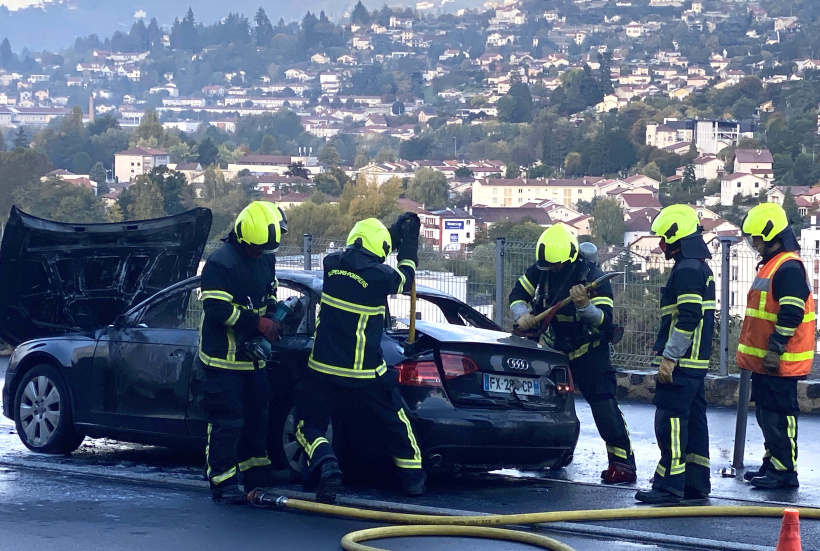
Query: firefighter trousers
<point>236,404</point>
<point>595,376</point>
<point>319,395</point>
<point>682,433</point>
<point>776,410</point>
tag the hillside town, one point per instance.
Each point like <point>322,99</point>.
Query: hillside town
<point>519,112</point>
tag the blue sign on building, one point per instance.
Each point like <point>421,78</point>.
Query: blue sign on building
<point>452,225</point>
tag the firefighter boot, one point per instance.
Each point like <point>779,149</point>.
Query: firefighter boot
<point>330,481</point>
<point>657,497</point>
<point>412,482</point>
<point>618,472</point>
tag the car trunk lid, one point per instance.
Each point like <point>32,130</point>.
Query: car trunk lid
<point>492,368</point>
<point>57,277</point>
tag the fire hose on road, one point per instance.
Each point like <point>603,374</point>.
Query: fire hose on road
<point>485,526</point>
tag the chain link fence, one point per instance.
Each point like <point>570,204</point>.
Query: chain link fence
<point>489,271</point>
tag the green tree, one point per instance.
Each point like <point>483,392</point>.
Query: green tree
<point>607,223</point>
<point>360,14</point>
<point>428,187</point>
<point>268,145</point>
<point>298,170</point>
<point>464,173</point>
<point>81,163</point>
<point>792,213</point>
<point>330,156</point>
<point>56,199</point>
<point>173,187</point>
<point>263,32</point>
<point>368,199</point>
<point>523,231</point>
<point>19,168</point>
<point>6,55</point>
<point>516,106</point>
<point>20,139</point>
<point>114,214</point>
<point>208,152</point>
<point>145,200</point>
<point>651,170</point>
<point>327,184</point>
<point>512,170</point>
<point>97,173</point>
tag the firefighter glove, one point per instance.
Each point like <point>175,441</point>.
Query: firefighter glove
<point>665,370</point>
<point>771,362</point>
<point>579,296</point>
<point>527,321</point>
<point>410,224</point>
<point>270,329</point>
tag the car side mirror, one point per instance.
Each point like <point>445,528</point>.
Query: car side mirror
<point>120,321</point>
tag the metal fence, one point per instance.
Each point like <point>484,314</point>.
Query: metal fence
<point>485,276</point>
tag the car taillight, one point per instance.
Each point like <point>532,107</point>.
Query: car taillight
<point>562,377</point>
<point>456,365</point>
<point>419,373</point>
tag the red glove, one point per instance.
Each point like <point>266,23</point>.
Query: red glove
<point>270,329</point>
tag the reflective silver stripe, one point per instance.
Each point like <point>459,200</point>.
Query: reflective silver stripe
<point>760,284</point>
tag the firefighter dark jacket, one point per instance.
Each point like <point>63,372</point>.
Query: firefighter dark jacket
<point>687,317</point>
<point>235,292</point>
<point>351,319</point>
<point>575,333</point>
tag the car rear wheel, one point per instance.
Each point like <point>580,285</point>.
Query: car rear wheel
<point>43,415</point>
<point>285,449</point>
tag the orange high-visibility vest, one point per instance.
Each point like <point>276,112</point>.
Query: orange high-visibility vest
<point>760,320</point>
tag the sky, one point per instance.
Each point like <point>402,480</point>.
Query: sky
<point>18,4</point>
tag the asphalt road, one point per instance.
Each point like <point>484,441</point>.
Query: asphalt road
<point>112,495</point>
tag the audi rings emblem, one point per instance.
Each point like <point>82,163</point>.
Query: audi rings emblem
<point>518,363</point>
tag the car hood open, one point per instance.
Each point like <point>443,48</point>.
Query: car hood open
<point>57,278</point>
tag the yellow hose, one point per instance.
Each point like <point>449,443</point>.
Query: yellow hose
<point>479,526</point>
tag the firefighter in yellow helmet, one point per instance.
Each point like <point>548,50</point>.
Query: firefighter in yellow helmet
<point>777,341</point>
<point>346,365</point>
<point>682,348</point>
<point>582,329</point>
<point>238,290</point>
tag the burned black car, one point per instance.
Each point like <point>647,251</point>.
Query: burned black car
<point>105,348</point>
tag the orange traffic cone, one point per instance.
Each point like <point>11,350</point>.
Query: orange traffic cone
<point>790,531</point>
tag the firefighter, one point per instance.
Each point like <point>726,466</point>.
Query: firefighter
<point>582,330</point>
<point>238,282</point>
<point>776,341</point>
<point>346,365</point>
<point>682,349</point>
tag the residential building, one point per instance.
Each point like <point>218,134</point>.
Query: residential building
<point>516,192</point>
<point>755,161</point>
<point>740,183</point>
<point>136,161</point>
<point>448,229</point>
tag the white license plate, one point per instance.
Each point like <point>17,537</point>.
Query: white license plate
<point>505,385</point>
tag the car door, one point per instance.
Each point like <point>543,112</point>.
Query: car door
<point>146,373</point>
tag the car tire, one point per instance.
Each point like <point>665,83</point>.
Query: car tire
<point>43,412</point>
<point>284,450</point>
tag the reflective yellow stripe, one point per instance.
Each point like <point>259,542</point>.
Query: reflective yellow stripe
<point>778,466</point>
<point>785,357</point>
<point>667,310</point>
<point>603,301</point>
<point>525,283</point>
<point>660,470</point>
<point>225,364</point>
<point>231,354</point>
<point>617,452</point>
<point>402,281</point>
<point>682,332</point>
<point>346,371</point>
<point>208,453</point>
<point>233,318</point>
<point>563,318</point>
<point>693,364</point>
<point>709,280</point>
<point>698,460</point>
<point>709,305</point>
<point>254,462</point>
<point>524,302</point>
<point>220,478</point>
<point>583,349</point>
<point>791,433</point>
<point>358,355</point>
<point>217,295</point>
<point>308,447</point>
<point>350,307</point>
<point>698,336</point>
<point>690,299</point>
<point>407,262</point>
<point>675,467</point>
<point>785,331</point>
<point>793,301</point>
<point>414,463</point>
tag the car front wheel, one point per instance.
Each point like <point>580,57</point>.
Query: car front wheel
<point>43,415</point>
<point>285,450</point>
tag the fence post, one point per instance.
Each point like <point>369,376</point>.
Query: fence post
<point>500,244</point>
<point>725,277</point>
<point>307,242</point>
